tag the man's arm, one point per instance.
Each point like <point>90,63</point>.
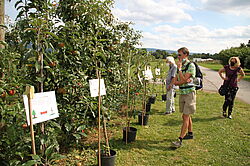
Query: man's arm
<point>184,78</point>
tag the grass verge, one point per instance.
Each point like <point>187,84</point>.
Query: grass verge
<point>217,66</point>
<point>218,141</point>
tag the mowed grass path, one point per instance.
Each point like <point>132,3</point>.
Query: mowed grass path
<point>218,141</point>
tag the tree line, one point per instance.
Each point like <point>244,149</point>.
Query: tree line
<point>242,51</point>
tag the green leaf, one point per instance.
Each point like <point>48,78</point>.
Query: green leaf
<point>68,126</point>
<point>82,127</point>
<point>103,40</point>
<point>54,124</point>
<point>49,150</point>
<point>77,136</point>
<point>42,140</point>
<point>30,163</point>
<point>52,34</point>
<point>36,157</point>
<point>37,66</point>
<point>14,162</point>
<point>83,134</point>
<point>1,90</point>
<point>40,79</point>
<point>56,156</point>
<point>3,26</point>
<point>20,13</point>
<point>19,7</point>
<point>18,2</point>
<point>31,29</point>
<point>21,155</point>
<point>4,43</point>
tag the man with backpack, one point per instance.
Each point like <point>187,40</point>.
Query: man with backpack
<point>186,78</point>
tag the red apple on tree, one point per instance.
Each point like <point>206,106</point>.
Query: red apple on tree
<point>11,92</point>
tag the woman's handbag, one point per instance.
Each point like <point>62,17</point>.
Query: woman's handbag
<point>223,90</point>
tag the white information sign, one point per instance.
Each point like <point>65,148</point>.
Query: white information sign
<point>94,86</point>
<point>157,71</point>
<point>43,106</point>
<point>148,74</point>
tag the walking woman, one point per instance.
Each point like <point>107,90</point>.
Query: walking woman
<point>231,80</point>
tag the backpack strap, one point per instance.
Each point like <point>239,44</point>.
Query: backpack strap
<point>186,68</point>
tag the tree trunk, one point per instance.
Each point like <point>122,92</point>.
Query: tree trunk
<point>2,30</point>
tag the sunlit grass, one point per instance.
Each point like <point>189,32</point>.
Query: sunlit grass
<point>218,141</point>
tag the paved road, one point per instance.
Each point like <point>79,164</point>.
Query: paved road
<point>212,82</point>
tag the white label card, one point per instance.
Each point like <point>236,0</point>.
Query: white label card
<point>157,71</point>
<point>148,74</point>
<point>94,87</point>
<point>44,107</point>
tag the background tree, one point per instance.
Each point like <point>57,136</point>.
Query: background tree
<point>243,52</point>
<point>73,46</point>
<point>2,29</point>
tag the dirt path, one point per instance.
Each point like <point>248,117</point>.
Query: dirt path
<point>212,82</point>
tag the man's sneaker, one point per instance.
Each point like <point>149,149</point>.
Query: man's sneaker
<point>224,114</point>
<point>177,144</point>
<point>188,136</point>
<point>229,117</point>
<point>166,113</point>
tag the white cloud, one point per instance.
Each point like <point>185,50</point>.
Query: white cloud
<point>196,38</point>
<point>236,7</point>
<point>180,29</point>
<point>149,12</point>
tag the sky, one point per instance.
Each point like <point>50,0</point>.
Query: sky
<point>203,26</point>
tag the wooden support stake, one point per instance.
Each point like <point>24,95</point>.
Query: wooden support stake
<point>30,94</point>
<point>144,103</point>
<point>99,119</point>
<point>128,91</point>
<point>105,134</point>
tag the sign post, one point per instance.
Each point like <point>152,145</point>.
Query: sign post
<point>30,94</point>
<point>39,107</point>
<point>97,88</point>
<point>99,120</point>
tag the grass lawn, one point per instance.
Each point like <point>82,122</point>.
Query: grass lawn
<point>218,141</point>
<point>217,66</point>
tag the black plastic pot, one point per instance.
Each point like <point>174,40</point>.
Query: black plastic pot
<point>164,97</point>
<point>148,107</point>
<point>131,134</point>
<point>145,119</point>
<point>107,160</point>
<point>151,99</point>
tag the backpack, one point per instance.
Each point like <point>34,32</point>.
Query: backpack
<point>198,81</point>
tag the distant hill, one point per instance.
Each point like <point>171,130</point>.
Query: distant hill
<point>154,49</point>
<point>169,51</point>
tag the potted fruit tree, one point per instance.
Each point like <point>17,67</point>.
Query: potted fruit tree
<point>146,76</point>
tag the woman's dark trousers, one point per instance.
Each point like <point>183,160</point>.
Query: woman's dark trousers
<point>229,100</point>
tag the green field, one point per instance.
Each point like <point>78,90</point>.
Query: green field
<point>217,66</point>
<point>218,141</point>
